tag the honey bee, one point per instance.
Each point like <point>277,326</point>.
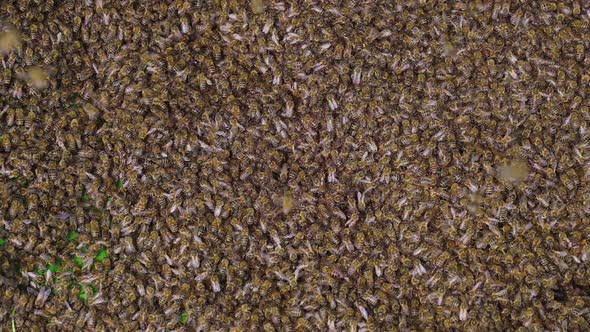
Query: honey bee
<point>17,90</point>
<point>6,144</point>
<point>151,240</point>
<point>215,284</point>
<point>172,224</point>
<point>567,182</point>
<point>332,102</point>
<point>203,81</point>
<point>94,228</point>
<point>6,76</point>
<point>28,56</point>
<point>29,119</point>
<point>303,324</point>
<point>140,204</point>
<point>15,208</point>
<point>9,117</point>
<point>88,90</point>
<point>356,75</point>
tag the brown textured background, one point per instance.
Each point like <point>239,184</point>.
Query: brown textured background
<point>297,165</point>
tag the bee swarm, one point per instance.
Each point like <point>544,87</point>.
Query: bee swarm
<point>295,165</point>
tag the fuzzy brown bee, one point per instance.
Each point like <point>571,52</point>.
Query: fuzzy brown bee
<point>6,76</point>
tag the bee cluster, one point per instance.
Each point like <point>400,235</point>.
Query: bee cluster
<point>309,165</point>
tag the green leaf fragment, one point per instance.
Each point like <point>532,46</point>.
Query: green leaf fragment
<point>183,317</point>
<point>53,268</point>
<point>101,255</point>
<point>85,197</point>
<point>119,184</point>
<point>73,236</point>
<point>3,242</point>
<point>39,272</point>
<point>79,261</point>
